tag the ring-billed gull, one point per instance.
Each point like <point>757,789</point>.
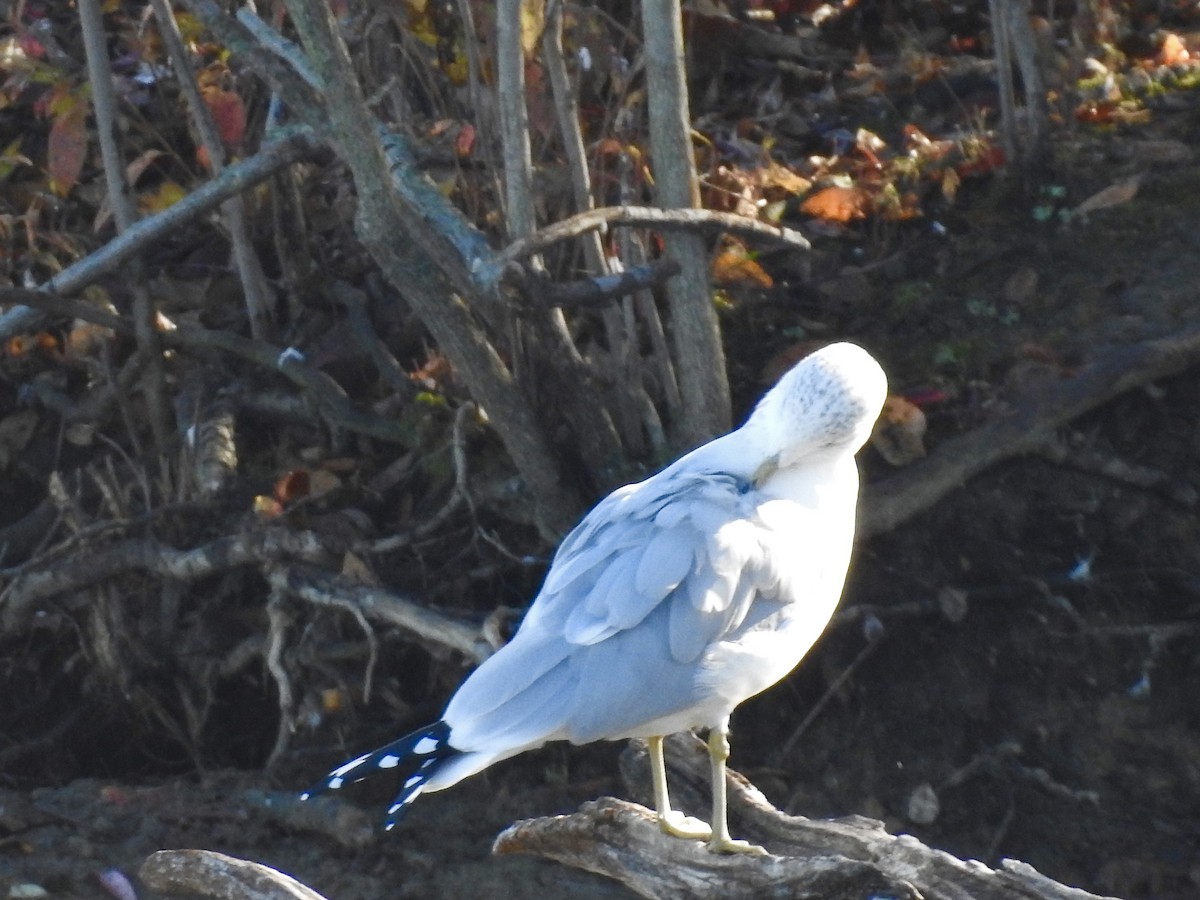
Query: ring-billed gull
<point>674,600</point>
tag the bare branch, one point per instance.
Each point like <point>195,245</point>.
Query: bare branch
<point>73,575</point>
<point>1030,428</point>
<point>696,220</point>
<point>602,290</point>
<point>323,588</point>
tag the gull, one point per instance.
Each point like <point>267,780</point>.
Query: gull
<point>675,599</point>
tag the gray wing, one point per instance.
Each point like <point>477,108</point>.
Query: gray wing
<point>644,584</point>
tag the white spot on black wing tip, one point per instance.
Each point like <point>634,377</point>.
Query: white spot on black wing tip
<point>427,745</point>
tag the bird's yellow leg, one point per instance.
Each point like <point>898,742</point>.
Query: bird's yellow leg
<point>721,842</point>
<point>671,821</point>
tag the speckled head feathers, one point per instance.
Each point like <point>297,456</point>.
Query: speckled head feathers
<point>830,399</point>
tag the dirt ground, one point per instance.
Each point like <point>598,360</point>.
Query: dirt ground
<point>1027,688</point>
<point>1054,721</point>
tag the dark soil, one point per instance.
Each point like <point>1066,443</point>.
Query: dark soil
<point>1055,722</point>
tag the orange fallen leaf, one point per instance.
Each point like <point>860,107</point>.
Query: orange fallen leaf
<point>836,204</point>
<point>167,194</point>
<point>732,266</point>
<point>1173,52</point>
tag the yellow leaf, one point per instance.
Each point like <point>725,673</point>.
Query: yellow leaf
<point>168,194</point>
<point>533,23</point>
<point>950,184</point>
<point>189,26</point>
<point>267,507</point>
<point>11,157</point>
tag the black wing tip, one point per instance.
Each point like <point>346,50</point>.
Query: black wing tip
<point>419,751</point>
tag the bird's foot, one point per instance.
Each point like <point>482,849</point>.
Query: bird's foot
<point>729,845</point>
<point>676,823</point>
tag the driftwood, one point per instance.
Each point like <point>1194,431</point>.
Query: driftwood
<point>848,857</point>
<point>203,873</point>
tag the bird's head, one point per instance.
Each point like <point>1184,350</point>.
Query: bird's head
<point>827,401</point>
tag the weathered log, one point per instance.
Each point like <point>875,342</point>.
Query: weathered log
<point>203,873</point>
<point>848,857</point>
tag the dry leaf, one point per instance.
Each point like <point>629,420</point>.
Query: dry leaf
<point>533,23</point>
<point>1113,195</point>
<point>292,486</point>
<point>229,113</point>
<point>899,434</point>
<point>733,267</point>
<point>777,180</point>
<point>322,481</point>
<point>1173,52</point>
<point>836,204</point>
<point>167,194</point>
<point>138,167</point>
<point>267,507</point>
<point>465,142</point>
<point>67,148</point>
<point>354,568</point>
<point>950,184</point>
<point>333,701</point>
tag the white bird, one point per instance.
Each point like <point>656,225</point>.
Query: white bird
<point>674,600</point>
